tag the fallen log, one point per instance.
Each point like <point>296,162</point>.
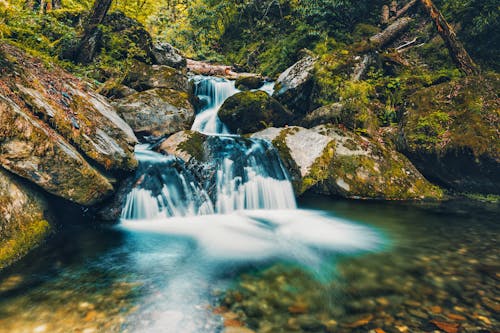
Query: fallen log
<point>403,10</point>
<point>390,33</point>
<point>205,68</point>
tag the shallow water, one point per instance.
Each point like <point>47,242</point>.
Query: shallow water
<point>394,266</point>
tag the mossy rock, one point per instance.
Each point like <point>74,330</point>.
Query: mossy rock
<point>451,132</point>
<point>157,112</point>
<point>23,221</point>
<point>251,111</point>
<point>32,150</point>
<point>249,82</point>
<point>334,161</point>
<point>67,105</point>
<point>142,76</point>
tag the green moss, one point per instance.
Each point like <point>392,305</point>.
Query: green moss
<point>320,169</point>
<point>23,241</point>
<point>194,145</point>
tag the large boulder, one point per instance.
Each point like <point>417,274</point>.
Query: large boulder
<point>157,112</point>
<point>451,132</point>
<point>294,87</point>
<point>143,77</point>
<point>31,149</point>
<point>166,54</point>
<point>252,111</point>
<point>61,103</point>
<point>334,161</point>
<point>328,114</point>
<point>59,134</point>
<point>23,221</point>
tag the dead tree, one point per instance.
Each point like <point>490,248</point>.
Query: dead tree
<point>456,49</point>
<point>87,47</point>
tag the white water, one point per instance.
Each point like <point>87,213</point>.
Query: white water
<point>252,218</point>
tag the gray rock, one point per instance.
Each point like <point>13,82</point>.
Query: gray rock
<point>157,112</point>
<point>166,54</point>
<point>142,77</point>
<point>295,85</point>
<point>334,161</point>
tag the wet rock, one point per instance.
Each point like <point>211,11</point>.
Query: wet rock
<point>252,111</point>
<point>249,82</point>
<point>157,112</point>
<point>143,77</point>
<point>451,133</point>
<point>23,222</point>
<point>294,86</point>
<point>166,54</point>
<point>334,161</point>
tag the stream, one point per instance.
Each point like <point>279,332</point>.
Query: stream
<point>238,250</point>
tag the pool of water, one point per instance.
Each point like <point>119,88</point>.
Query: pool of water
<point>339,266</point>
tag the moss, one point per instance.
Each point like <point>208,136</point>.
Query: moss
<point>286,157</point>
<point>320,169</point>
<point>23,241</point>
<point>194,145</point>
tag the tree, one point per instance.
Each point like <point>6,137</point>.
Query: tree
<point>87,47</point>
<point>456,49</point>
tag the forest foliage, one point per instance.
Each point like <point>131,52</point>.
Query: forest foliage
<point>259,35</point>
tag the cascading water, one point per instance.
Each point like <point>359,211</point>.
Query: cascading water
<point>164,188</point>
<point>249,172</point>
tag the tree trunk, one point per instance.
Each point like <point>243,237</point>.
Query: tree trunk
<point>384,37</point>
<point>88,45</point>
<point>456,49</point>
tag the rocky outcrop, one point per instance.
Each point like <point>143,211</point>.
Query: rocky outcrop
<point>114,89</point>
<point>142,77</point>
<point>294,87</point>
<point>251,111</point>
<point>451,132</point>
<point>334,161</point>
<point>157,112</point>
<point>166,54</point>
<point>59,134</point>
<point>23,221</point>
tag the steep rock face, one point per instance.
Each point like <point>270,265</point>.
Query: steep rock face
<point>251,111</point>
<point>157,111</point>
<point>143,77</point>
<point>59,100</point>
<point>294,86</point>
<point>23,224</point>
<point>166,54</point>
<point>451,132</point>
<point>334,161</point>
<point>32,150</point>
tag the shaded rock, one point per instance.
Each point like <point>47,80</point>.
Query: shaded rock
<point>328,114</point>
<point>173,145</point>
<point>334,161</point>
<point>451,132</point>
<point>251,111</point>
<point>32,150</point>
<point>143,77</point>
<point>117,25</point>
<point>23,224</point>
<point>60,103</point>
<point>166,54</point>
<point>249,82</point>
<point>157,112</point>
<point>294,86</point>
<point>113,89</point>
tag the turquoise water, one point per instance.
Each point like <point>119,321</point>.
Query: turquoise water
<point>407,267</point>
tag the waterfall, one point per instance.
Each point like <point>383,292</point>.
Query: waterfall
<point>164,188</point>
<point>212,92</point>
<point>247,173</point>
